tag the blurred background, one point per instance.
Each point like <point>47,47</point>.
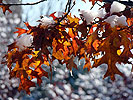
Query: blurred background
<point>83,85</point>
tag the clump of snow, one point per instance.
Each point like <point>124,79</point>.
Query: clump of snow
<point>101,13</point>
<point>90,15</point>
<point>122,20</point>
<point>24,41</point>
<point>60,14</point>
<point>112,20</point>
<point>45,21</point>
<point>115,20</point>
<point>117,7</point>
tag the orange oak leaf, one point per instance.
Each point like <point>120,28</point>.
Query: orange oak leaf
<point>87,64</point>
<point>25,84</point>
<point>110,58</point>
<point>83,29</point>
<point>130,21</point>
<point>73,21</point>
<point>41,73</point>
<point>70,64</point>
<point>75,46</point>
<point>89,42</point>
<point>57,54</point>
<point>95,44</point>
<point>70,33</point>
<point>20,31</point>
<point>5,7</point>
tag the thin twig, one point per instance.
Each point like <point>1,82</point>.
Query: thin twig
<point>34,3</point>
<point>67,5</point>
<point>93,6</point>
<point>98,4</point>
<point>70,8</point>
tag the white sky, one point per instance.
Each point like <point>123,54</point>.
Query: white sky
<point>33,12</point>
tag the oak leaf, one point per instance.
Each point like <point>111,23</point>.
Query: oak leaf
<point>70,64</point>
<point>5,8</point>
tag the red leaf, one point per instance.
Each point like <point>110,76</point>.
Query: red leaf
<point>27,25</point>
<point>53,16</point>
<point>20,31</point>
<point>5,8</point>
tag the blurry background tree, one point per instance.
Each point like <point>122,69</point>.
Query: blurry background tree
<point>8,22</point>
<point>82,85</point>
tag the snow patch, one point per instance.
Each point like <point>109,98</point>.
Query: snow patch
<point>24,41</point>
<point>90,15</point>
<point>115,20</point>
<point>45,21</point>
<point>117,7</point>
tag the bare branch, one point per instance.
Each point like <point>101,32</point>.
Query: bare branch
<point>34,3</point>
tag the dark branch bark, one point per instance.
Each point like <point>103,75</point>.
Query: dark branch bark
<point>34,3</point>
<point>128,3</point>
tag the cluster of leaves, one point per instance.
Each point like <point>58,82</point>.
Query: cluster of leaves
<point>70,37</point>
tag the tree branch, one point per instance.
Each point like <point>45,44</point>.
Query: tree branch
<point>128,3</point>
<point>34,3</point>
<point>69,9</point>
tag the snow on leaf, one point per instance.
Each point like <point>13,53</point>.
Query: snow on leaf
<point>24,41</point>
<point>122,21</point>
<point>88,15</point>
<point>45,21</point>
<point>115,20</point>
<point>117,7</point>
